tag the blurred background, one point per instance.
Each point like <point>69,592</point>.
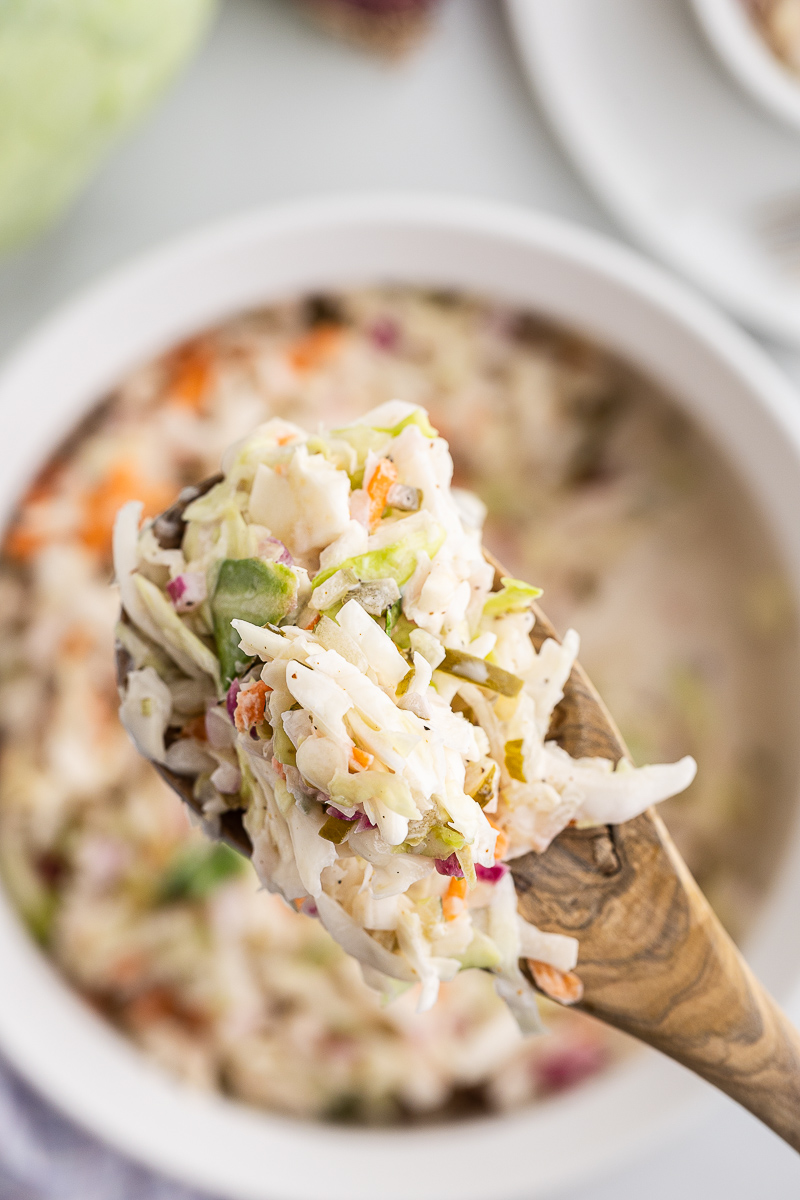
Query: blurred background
<point>124,124</point>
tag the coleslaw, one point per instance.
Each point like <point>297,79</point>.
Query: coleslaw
<point>372,699</point>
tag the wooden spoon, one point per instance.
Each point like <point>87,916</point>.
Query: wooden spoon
<point>654,959</point>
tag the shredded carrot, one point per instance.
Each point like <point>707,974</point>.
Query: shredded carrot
<point>128,969</point>
<point>23,543</point>
<point>24,539</point>
<point>298,902</point>
<point>501,845</point>
<point>160,1003</point>
<point>77,642</point>
<point>314,622</point>
<point>192,370</point>
<point>563,986</point>
<point>360,760</point>
<point>250,706</point>
<point>384,475</point>
<point>453,901</point>
<point>457,887</point>
<point>101,505</point>
<point>315,348</point>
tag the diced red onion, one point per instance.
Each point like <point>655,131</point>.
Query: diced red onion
<point>283,556</point>
<point>491,874</point>
<point>449,866</point>
<point>175,588</point>
<point>385,333</point>
<point>335,812</point>
<point>569,1065</point>
<point>187,591</point>
<point>233,695</point>
<point>309,908</point>
<point>364,823</point>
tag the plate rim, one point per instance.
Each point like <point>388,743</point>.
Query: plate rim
<point>633,217</point>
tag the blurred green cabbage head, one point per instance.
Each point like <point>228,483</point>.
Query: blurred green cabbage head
<point>73,74</point>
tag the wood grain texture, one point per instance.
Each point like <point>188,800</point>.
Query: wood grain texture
<point>654,959</point>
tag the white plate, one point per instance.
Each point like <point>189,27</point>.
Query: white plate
<point>714,372</point>
<point>687,163</point>
<point>736,39</point>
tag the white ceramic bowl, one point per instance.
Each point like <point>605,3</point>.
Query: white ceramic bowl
<point>749,58</point>
<point>713,370</point>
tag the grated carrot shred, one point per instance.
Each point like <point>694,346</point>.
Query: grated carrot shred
<point>384,475</point>
<point>501,845</point>
<point>22,544</point>
<point>24,539</point>
<point>250,706</point>
<point>77,641</point>
<point>563,986</point>
<point>192,371</point>
<point>453,902</point>
<point>315,348</point>
<point>121,483</point>
<point>361,760</point>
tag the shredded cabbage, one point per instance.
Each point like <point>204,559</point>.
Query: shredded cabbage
<point>514,596</point>
<point>385,725</point>
<point>145,712</point>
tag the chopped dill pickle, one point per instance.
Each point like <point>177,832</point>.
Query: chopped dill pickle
<point>417,832</point>
<point>486,787</point>
<point>283,747</point>
<point>441,842</point>
<point>398,626</point>
<point>460,705</point>
<point>335,830</point>
<point>477,670</point>
<point>402,686</point>
<point>515,761</point>
<point>392,613</point>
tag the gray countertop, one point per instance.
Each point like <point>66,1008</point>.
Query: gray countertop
<point>271,110</point>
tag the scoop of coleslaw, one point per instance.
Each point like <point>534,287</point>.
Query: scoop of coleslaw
<point>329,651</point>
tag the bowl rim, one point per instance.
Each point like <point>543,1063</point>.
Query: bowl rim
<point>47,1032</point>
<point>749,59</point>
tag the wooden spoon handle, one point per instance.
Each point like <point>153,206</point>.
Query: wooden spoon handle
<point>677,981</point>
<point>654,959</point>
